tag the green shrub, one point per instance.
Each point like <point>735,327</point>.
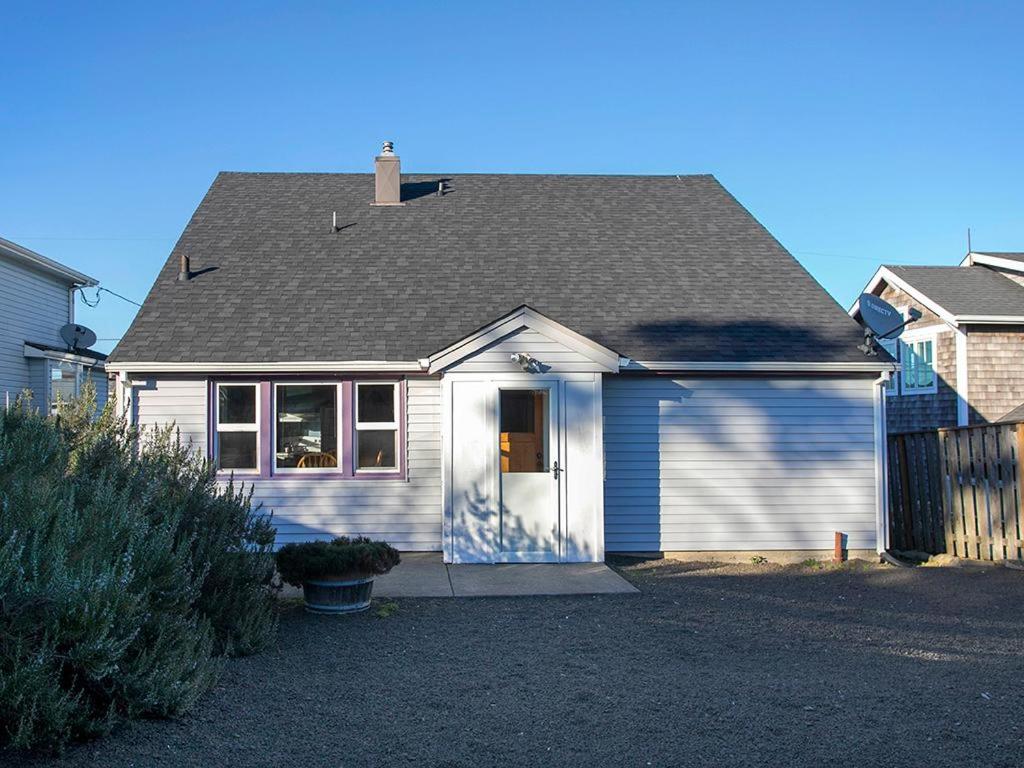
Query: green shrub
<point>125,575</point>
<point>341,558</point>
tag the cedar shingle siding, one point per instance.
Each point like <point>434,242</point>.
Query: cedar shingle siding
<point>906,413</point>
<point>995,366</point>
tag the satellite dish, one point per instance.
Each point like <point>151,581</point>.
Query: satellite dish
<point>77,336</point>
<point>881,317</point>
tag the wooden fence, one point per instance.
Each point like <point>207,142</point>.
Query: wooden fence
<point>958,491</point>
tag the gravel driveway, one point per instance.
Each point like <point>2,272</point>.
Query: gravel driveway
<point>709,665</point>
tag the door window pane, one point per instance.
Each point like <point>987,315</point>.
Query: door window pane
<point>237,404</point>
<point>376,403</point>
<point>237,450</point>
<point>377,449</point>
<point>306,426</point>
<point>523,430</point>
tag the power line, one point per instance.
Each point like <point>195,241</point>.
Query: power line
<point>96,301</point>
<point>837,256</point>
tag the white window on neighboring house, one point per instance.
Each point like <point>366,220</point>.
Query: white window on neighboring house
<point>236,447</point>
<point>65,382</point>
<point>892,346</point>
<point>917,356</point>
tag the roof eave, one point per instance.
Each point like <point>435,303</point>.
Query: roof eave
<point>760,366</point>
<point>20,252</point>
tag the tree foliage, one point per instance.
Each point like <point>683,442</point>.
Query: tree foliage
<point>126,574</point>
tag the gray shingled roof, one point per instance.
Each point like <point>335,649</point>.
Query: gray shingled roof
<point>654,267</point>
<point>966,290</point>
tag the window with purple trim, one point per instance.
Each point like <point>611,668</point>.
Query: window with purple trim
<point>293,427</point>
<point>376,426</point>
<point>306,430</point>
<point>236,447</point>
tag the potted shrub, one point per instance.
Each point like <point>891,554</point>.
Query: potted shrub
<point>336,576</point>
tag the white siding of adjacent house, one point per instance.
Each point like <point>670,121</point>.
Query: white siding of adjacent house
<point>738,463</point>
<point>99,381</point>
<point>406,513</point>
<point>33,307</point>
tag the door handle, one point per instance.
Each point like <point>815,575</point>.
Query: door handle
<point>556,469</point>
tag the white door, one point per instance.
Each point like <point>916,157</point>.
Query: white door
<point>527,441</point>
<point>506,445</point>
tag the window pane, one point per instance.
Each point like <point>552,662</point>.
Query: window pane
<point>377,449</point>
<point>376,402</point>
<point>522,438</point>
<point>918,369</point>
<point>892,347</point>
<point>237,450</point>
<point>63,383</point>
<point>237,404</point>
<point>306,428</point>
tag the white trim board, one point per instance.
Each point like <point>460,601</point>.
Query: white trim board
<point>885,275</point>
<point>310,366</point>
<point>868,366</point>
<point>992,261</point>
<point>70,357</point>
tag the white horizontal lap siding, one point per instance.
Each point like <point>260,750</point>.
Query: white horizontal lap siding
<point>738,463</point>
<point>553,355</point>
<point>33,307</point>
<point>100,384</point>
<point>405,513</point>
<point>158,402</point>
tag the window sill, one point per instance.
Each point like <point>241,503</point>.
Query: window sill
<point>917,392</point>
<point>223,475</point>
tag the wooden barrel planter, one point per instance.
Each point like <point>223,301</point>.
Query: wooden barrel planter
<point>336,576</point>
<point>337,595</point>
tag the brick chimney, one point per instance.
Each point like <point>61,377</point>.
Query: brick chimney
<point>388,183</point>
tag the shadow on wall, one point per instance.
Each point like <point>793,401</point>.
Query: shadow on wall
<point>737,464</point>
<point>484,530</point>
<point>916,412</point>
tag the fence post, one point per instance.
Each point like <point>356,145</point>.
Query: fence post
<point>908,511</point>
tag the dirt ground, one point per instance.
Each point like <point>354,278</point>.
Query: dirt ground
<point>737,665</point>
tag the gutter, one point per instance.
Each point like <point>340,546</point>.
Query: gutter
<point>311,366</point>
<point>876,366</point>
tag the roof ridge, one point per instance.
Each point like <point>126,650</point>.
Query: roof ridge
<point>481,174</point>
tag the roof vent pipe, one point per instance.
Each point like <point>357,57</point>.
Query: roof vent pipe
<point>184,268</point>
<point>388,177</point>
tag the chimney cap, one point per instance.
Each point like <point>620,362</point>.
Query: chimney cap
<point>389,148</point>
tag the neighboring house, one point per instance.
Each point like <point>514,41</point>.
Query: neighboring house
<point>512,367</point>
<point>37,298</point>
<point>963,360</point>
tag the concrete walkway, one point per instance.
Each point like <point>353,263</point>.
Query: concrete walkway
<point>424,574</point>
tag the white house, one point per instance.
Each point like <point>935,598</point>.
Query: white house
<point>37,298</point>
<point>512,367</point>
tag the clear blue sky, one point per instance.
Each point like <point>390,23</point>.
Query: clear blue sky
<point>858,133</point>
